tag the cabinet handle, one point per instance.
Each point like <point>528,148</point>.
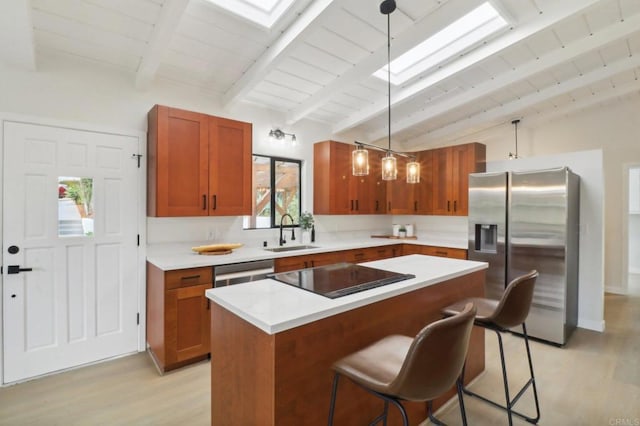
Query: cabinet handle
<point>357,206</point>
<point>377,205</point>
<point>351,205</point>
<point>208,304</point>
<point>204,201</point>
<point>313,263</point>
<point>455,205</point>
<point>190,277</point>
<point>448,205</point>
<point>415,206</point>
<point>215,202</point>
<point>389,208</point>
<point>305,264</point>
<point>442,253</point>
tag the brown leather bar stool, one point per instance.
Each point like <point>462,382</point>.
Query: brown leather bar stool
<point>399,368</point>
<point>499,315</point>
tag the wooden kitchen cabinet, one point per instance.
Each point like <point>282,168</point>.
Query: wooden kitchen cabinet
<point>450,173</point>
<point>422,191</point>
<point>367,254</point>
<point>198,165</point>
<point>178,315</point>
<point>293,263</point>
<point>434,251</point>
<point>336,190</point>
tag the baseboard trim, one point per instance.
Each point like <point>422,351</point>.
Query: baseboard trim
<point>616,290</point>
<point>591,325</point>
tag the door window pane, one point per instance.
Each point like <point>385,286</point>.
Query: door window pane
<point>75,206</point>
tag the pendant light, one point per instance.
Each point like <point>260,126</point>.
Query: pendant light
<point>513,156</point>
<point>360,161</point>
<point>389,164</point>
<point>413,171</point>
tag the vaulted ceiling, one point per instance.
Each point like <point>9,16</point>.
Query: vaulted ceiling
<point>317,61</point>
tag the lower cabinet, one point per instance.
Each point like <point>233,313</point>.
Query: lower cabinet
<point>367,254</point>
<point>178,315</point>
<point>435,251</point>
<point>178,312</point>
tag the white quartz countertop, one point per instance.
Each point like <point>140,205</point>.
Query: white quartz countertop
<point>275,307</point>
<point>168,257</point>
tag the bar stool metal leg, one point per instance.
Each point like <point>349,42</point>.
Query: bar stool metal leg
<point>510,403</point>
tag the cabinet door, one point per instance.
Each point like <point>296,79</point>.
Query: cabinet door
<point>178,164</point>
<point>465,159</point>
<point>229,167</point>
<point>400,194</point>
<point>187,323</point>
<point>441,172</point>
<point>332,191</point>
<point>423,202</point>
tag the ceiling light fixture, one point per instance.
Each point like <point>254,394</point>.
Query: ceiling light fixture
<point>360,161</point>
<point>513,156</point>
<point>279,135</point>
<point>360,156</point>
<point>389,164</point>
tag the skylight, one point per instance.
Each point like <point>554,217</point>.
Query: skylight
<point>261,12</point>
<point>462,34</point>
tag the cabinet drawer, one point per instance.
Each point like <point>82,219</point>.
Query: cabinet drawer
<point>188,277</point>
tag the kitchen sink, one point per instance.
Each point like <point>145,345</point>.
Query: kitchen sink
<point>290,248</point>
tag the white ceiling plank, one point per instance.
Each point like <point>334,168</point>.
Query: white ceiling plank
<point>17,46</point>
<point>554,59</point>
<point>431,24</point>
<point>587,102</point>
<point>556,13</point>
<point>170,16</point>
<point>290,39</point>
<point>535,98</point>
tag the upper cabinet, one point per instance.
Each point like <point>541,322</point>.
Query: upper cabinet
<point>450,173</point>
<point>336,190</point>
<point>198,165</point>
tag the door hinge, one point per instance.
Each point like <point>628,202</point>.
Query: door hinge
<point>137,157</point>
<point>138,239</point>
<point>138,318</point>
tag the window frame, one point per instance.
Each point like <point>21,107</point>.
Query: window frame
<point>272,182</point>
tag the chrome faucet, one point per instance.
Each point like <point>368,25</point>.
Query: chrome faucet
<point>293,235</point>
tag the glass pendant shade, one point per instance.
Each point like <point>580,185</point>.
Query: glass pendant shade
<point>389,167</point>
<point>413,172</point>
<point>360,162</point>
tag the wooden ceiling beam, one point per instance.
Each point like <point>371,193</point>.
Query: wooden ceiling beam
<point>170,17</point>
<point>555,13</point>
<point>310,19</point>
<point>601,39</point>
<point>508,110</point>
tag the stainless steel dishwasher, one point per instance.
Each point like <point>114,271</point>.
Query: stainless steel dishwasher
<point>236,273</point>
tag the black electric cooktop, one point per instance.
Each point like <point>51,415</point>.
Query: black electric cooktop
<point>339,279</point>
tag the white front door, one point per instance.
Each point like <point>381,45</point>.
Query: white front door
<point>70,218</point>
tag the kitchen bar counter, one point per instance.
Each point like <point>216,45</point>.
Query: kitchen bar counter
<point>169,257</point>
<point>273,307</point>
<point>273,345</point>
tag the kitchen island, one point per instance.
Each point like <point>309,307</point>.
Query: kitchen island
<point>273,344</point>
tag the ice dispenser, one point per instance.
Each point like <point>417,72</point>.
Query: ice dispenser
<point>486,238</point>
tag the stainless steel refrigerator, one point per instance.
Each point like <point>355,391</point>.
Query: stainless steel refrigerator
<point>519,221</point>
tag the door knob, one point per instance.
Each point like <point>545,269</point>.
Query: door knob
<point>16,269</point>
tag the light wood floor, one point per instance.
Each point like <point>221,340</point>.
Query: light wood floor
<point>594,380</point>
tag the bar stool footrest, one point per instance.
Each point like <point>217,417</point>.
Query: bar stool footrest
<point>533,420</point>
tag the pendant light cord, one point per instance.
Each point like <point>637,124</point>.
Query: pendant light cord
<point>389,75</point>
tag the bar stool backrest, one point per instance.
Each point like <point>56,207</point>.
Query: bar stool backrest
<point>513,308</point>
<point>435,358</point>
